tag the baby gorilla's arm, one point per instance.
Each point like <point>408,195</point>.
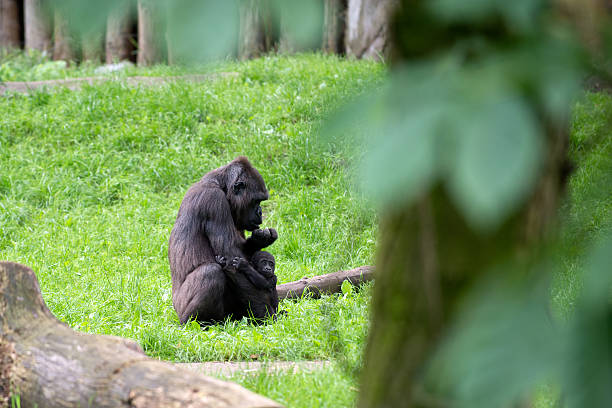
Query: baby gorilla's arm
<point>240,265</point>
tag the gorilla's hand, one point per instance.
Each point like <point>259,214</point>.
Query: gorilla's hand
<point>262,238</point>
<point>221,260</point>
<point>239,264</point>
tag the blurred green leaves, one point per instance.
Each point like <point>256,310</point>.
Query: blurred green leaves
<point>466,128</point>
<point>86,15</point>
<point>301,20</point>
<point>522,15</point>
<point>472,116</point>
<point>505,344</point>
<point>496,159</point>
<point>200,30</point>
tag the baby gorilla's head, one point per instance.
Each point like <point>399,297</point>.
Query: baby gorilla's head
<point>264,263</point>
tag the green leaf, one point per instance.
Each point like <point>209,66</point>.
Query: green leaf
<point>194,325</point>
<point>519,14</point>
<point>502,346</point>
<point>404,136</point>
<point>201,30</point>
<point>346,287</point>
<point>496,159</point>
<point>301,20</point>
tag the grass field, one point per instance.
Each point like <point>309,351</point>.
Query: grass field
<point>90,183</point>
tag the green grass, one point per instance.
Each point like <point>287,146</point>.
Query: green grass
<point>328,387</point>
<point>587,213</point>
<point>32,65</point>
<point>90,183</point>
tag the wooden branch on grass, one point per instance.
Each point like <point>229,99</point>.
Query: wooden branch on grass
<point>47,364</point>
<point>325,284</point>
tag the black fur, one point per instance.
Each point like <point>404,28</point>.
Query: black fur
<point>211,222</point>
<point>260,300</point>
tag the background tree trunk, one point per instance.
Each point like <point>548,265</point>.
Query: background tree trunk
<point>37,26</point>
<point>48,364</point>
<point>10,25</point>
<point>118,35</point>
<point>252,33</point>
<point>148,33</point>
<point>333,26</point>
<point>63,41</point>
<point>367,28</point>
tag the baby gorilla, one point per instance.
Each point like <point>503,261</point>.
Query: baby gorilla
<point>258,288</point>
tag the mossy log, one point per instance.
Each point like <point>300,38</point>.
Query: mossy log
<point>47,364</point>
<point>325,284</point>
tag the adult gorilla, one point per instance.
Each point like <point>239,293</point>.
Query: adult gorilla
<point>211,222</point>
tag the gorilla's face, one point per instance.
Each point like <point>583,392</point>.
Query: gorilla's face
<point>245,195</point>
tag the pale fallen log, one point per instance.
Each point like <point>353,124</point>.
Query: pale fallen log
<point>229,368</point>
<point>47,364</point>
<point>325,284</point>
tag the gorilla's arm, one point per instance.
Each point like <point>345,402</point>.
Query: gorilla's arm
<point>218,224</point>
<point>240,265</point>
<point>259,239</point>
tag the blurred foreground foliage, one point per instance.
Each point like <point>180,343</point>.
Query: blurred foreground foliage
<point>478,95</point>
<point>202,30</point>
<point>505,342</point>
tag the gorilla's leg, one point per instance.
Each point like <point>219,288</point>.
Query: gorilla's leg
<point>201,295</point>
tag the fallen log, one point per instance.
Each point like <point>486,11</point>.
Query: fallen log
<point>47,364</point>
<point>325,284</point>
<point>229,368</point>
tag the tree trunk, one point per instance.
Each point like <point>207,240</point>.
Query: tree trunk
<point>10,25</point>
<point>63,41</point>
<point>37,26</point>
<point>118,35</point>
<point>367,28</point>
<point>428,259</point>
<point>333,26</point>
<point>251,41</point>
<point>47,364</point>
<point>324,284</point>
<point>148,34</point>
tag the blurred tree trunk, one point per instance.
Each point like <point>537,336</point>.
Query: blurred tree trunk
<point>333,26</point>
<point>429,258</point>
<point>118,35</point>
<point>63,41</point>
<point>10,25</point>
<point>149,50</point>
<point>37,26</point>
<point>251,41</point>
<point>367,28</point>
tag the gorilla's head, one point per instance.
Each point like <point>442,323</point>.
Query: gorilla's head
<point>264,263</point>
<point>245,190</point>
